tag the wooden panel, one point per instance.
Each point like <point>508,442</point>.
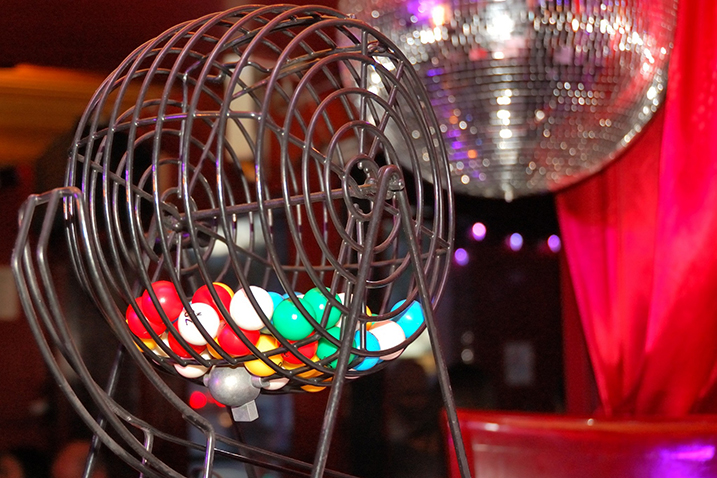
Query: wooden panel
<point>37,104</point>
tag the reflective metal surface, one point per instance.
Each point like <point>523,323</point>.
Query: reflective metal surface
<point>532,95</point>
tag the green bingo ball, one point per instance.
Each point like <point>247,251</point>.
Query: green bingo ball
<point>326,348</point>
<point>319,302</point>
<point>290,322</point>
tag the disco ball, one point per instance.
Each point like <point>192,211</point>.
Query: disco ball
<point>532,95</point>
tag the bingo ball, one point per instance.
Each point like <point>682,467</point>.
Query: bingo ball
<point>258,367</point>
<point>274,383</point>
<point>371,345</point>
<point>232,344</point>
<point>138,328</point>
<point>243,312</point>
<point>389,334</point>
<point>168,299</point>
<point>289,320</point>
<point>204,296</point>
<point>207,318</point>
<point>326,348</point>
<point>319,302</point>
<point>192,370</point>
<point>308,351</point>
<point>179,349</point>
<point>276,297</point>
<point>411,319</point>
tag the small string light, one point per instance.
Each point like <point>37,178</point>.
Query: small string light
<point>461,256</point>
<point>515,241</point>
<point>478,231</point>
<point>554,243</point>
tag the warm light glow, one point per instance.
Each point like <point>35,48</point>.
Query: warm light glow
<point>438,15</point>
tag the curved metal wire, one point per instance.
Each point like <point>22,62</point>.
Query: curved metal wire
<point>257,155</point>
<point>165,219</point>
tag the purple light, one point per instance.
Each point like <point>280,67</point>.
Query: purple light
<point>699,453</point>
<point>421,9</point>
<point>478,230</point>
<point>460,256</point>
<point>554,243</point>
<point>515,241</point>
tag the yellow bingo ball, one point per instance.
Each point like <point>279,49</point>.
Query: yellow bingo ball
<point>258,367</point>
<point>149,343</point>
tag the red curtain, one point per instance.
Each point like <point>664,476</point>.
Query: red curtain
<point>641,244</point>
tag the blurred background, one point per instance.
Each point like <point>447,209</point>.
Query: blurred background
<point>502,316</point>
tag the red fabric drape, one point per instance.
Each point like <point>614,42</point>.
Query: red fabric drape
<point>641,244</point>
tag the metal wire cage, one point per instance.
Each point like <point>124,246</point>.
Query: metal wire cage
<point>243,155</point>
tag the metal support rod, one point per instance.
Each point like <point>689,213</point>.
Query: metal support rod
<point>441,369</point>
<point>96,443</point>
<point>248,467</point>
<point>385,174</point>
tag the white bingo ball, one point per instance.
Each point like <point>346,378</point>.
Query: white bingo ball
<point>243,312</point>
<point>193,370</point>
<point>207,317</point>
<point>274,383</point>
<point>389,334</point>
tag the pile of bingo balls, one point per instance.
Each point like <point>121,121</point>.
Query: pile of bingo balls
<point>287,320</point>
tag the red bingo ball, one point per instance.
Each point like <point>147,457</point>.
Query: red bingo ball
<point>168,299</point>
<point>178,349</point>
<point>232,344</point>
<point>137,327</point>
<point>308,351</point>
<point>204,295</point>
